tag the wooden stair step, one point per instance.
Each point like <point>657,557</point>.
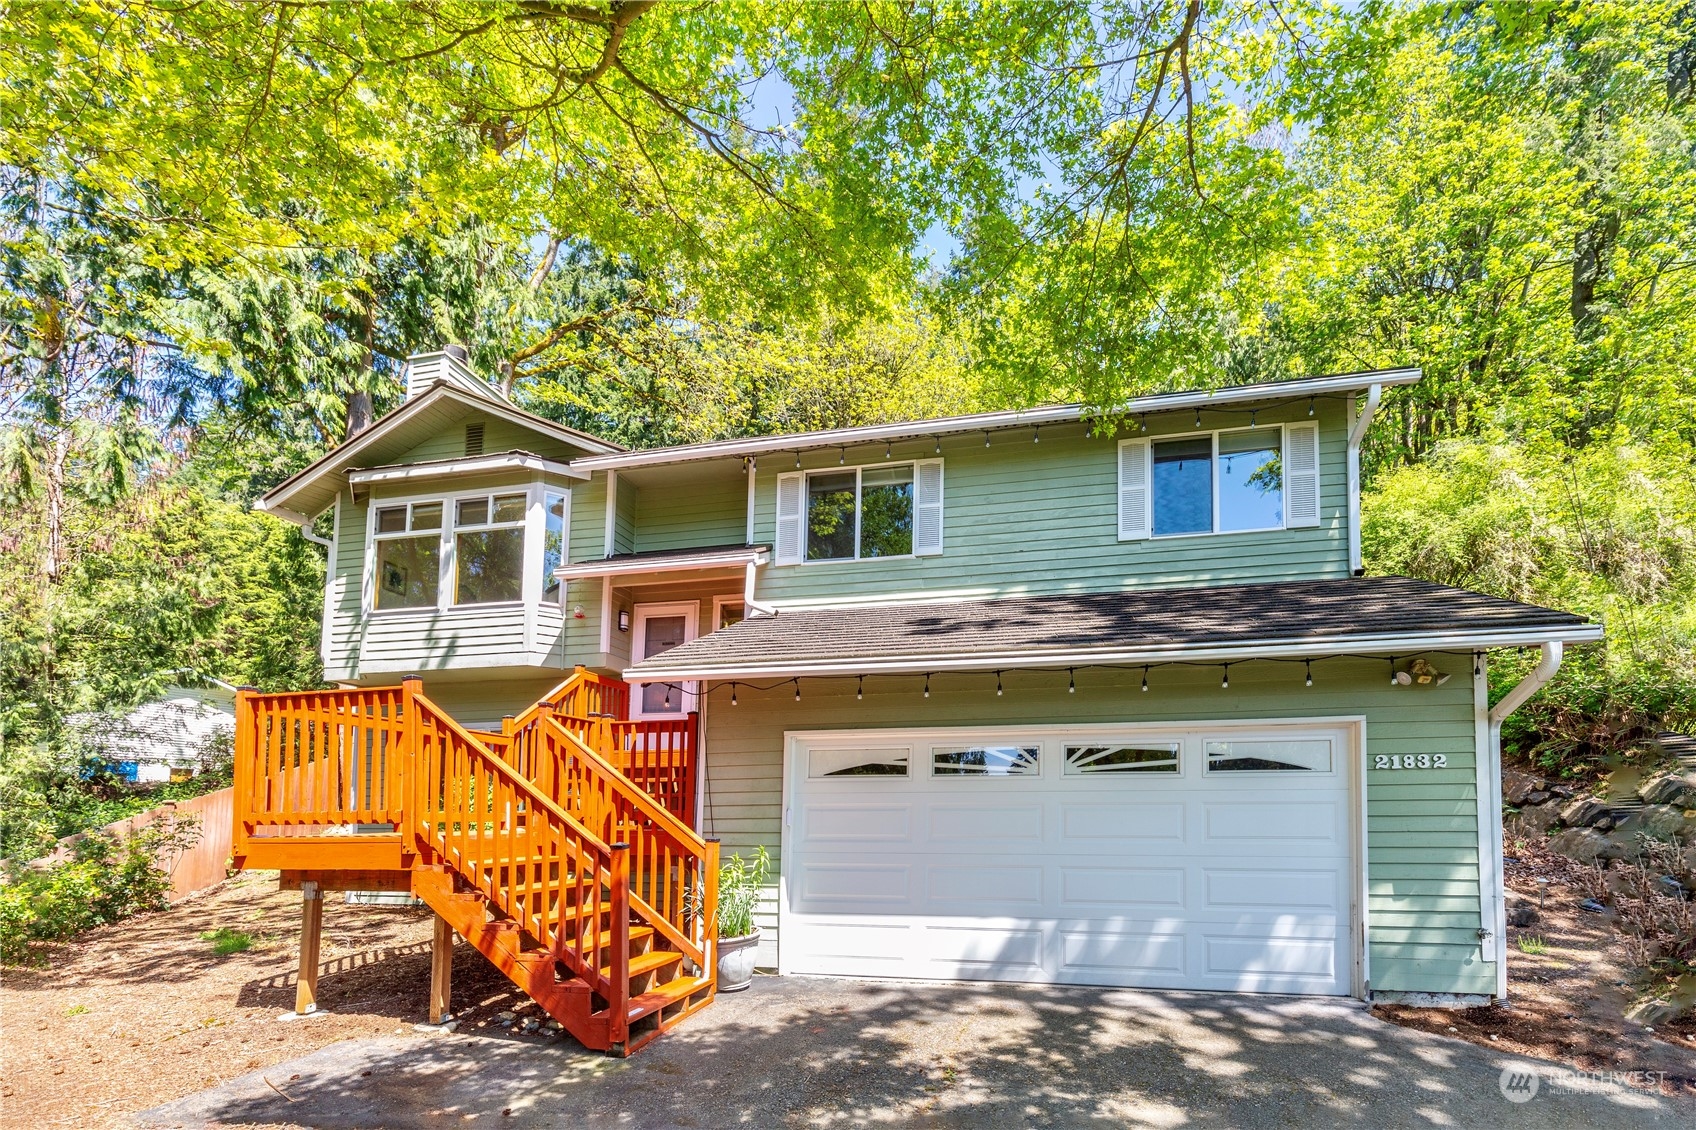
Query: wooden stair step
<point>601,937</point>
<point>669,993</point>
<point>647,962</point>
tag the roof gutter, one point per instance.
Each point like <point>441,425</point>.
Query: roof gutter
<point>1128,657</point>
<point>1357,433</point>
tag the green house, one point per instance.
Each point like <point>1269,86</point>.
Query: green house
<point>1017,696</point>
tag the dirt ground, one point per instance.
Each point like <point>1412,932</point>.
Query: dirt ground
<point>1567,1002</point>
<point>143,1011</point>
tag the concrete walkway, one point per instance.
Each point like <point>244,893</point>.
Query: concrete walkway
<point>827,1053</point>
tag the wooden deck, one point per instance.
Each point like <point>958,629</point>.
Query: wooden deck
<point>562,847</point>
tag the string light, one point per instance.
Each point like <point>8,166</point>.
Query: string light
<point>1145,679</point>
<point>1225,679</point>
<point>841,456</point>
<point>860,692</point>
<point>986,437</point>
<point>939,445</point>
<point>1198,417</point>
<point>1145,421</point>
<point>927,684</point>
<point>1251,418</point>
<point>1392,670</point>
<point>733,694</point>
<point>797,690</point>
<point>1310,406</point>
<point>886,450</point>
<point>1036,436</point>
<point>1071,680</point>
<point>998,682</point>
<point>1477,665</point>
<point>797,460</point>
<point>1309,663</point>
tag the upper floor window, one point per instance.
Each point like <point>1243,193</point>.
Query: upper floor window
<point>553,544</point>
<point>409,555</point>
<point>488,549</point>
<point>1244,479</point>
<point>885,510</point>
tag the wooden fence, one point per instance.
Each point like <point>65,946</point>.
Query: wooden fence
<point>202,865</point>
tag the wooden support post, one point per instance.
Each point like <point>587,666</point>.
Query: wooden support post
<point>311,928</point>
<point>441,970</point>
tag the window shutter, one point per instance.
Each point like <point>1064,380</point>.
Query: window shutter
<point>791,494</point>
<point>1301,475</point>
<point>927,507</point>
<point>1133,489</point>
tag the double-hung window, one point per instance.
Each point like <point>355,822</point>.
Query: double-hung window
<point>409,555</point>
<point>488,548</point>
<point>885,510</point>
<point>1234,481</point>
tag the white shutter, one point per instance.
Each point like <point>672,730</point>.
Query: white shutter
<point>791,498</point>
<point>927,507</point>
<point>1133,489</point>
<point>1301,475</point>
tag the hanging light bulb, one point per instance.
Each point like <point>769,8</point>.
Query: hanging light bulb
<point>860,693</point>
<point>939,445</point>
<point>733,694</point>
<point>1252,416</point>
<point>1477,665</point>
<point>841,456</point>
<point>797,460</point>
<point>1392,670</point>
<point>998,682</point>
<point>1071,680</point>
<point>1036,436</point>
<point>668,696</point>
<point>1310,406</point>
<point>1225,679</point>
<point>927,685</point>
<point>1309,663</point>
<point>1198,417</point>
<point>1145,421</point>
<point>886,450</point>
<point>797,690</point>
<point>1145,679</point>
<point>986,438</point>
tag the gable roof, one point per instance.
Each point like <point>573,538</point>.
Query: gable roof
<point>1263,391</point>
<point>1375,615</point>
<point>308,492</point>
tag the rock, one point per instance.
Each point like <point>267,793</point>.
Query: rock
<point>1582,844</point>
<point>1536,818</point>
<point>530,1024</point>
<point>1538,796</point>
<point>1652,1011</point>
<point>1668,788</point>
<point>1565,792</point>
<point>1673,887</point>
<point>505,1018</point>
<point>1583,812</point>
<point>1522,916</point>
<point>1658,822</point>
<point>1592,906</point>
<point>1517,786</point>
<point>1605,824</point>
<point>555,1026</point>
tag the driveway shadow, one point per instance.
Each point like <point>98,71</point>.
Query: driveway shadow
<point>824,1052</point>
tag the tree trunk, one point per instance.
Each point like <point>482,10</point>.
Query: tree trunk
<point>1590,255</point>
<point>359,405</point>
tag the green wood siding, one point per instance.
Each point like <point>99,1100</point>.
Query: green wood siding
<point>688,516</point>
<point>1422,862</point>
<point>1026,518</point>
<point>498,435</point>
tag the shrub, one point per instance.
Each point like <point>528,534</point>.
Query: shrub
<point>103,881</point>
<point>739,886</point>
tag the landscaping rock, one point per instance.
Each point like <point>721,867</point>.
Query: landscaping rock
<point>1652,1012</point>
<point>1605,824</point>
<point>1658,822</point>
<point>1583,812</point>
<point>1517,787</point>
<point>1583,844</point>
<point>1522,911</point>
<point>1668,789</point>
<point>1565,792</point>
<point>1538,796</point>
<point>1593,906</point>
<point>1535,818</point>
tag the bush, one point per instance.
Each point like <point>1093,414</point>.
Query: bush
<point>739,886</point>
<point>103,881</point>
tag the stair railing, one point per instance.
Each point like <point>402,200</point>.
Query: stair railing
<point>531,859</point>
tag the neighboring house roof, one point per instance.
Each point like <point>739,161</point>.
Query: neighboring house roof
<point>310,491</point>
<point>1375,615</point>
<point>994,421</point>
<point>175,727</point>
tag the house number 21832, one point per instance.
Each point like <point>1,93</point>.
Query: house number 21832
<point>1410,761</point>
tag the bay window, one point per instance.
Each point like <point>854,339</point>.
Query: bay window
<point>463,550</point>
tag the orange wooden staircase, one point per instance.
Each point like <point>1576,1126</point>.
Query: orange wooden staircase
<point>542,845</point>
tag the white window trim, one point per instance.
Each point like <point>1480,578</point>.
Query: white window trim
<point>718,608</point>
<point>859,476</point>
<point>1213,435</point>
<point>690,610</point>
<point>533,524</point>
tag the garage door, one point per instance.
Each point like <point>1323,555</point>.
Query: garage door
<point>1202,857</point>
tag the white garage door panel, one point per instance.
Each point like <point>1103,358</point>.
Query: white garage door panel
<point>1236,879</point>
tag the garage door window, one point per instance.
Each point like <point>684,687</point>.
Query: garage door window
<point>986,761</point>
<point>1308,756</point>
<point>1117,758</point>
<point>858,762</point>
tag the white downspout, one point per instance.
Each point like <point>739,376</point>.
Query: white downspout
<point>306,532</point>
<point>749,604</point>
<point>1512,701</point>
<point>1357,432</point>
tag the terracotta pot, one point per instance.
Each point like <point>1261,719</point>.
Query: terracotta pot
<point>736,961</point>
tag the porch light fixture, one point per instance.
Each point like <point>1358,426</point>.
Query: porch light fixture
<point>624,619</point>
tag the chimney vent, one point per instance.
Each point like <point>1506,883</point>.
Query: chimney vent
<point>458,353</point>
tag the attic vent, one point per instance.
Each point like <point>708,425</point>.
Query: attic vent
<point>474,439</point>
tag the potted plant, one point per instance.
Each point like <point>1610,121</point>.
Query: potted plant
<point>739,886</point>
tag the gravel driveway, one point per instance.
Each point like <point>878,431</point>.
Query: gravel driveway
<point>823,1052</point>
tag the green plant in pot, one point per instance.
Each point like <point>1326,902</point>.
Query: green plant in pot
<point>739,884</point>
